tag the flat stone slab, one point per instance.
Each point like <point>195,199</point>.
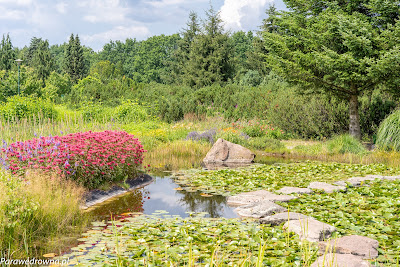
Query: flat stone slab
<point>328,188</point>
<point>361,246</point>
<point>259,209</point>
<point>340,260</point>
<point>294,190</point>
<point>282,217</point>
<point>310,229</point>
<point>358,181</point>
<point>256,196</point>
<point>391,178</point>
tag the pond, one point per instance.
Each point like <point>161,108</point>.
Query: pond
<point>162,195</point>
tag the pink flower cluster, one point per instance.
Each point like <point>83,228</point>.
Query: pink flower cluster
<point>91,158</point>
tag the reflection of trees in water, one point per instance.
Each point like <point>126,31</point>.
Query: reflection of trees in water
<point>212,205</point>
<point>130,202</point>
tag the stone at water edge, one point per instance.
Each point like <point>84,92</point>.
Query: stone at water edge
<point>259,209</point>
<point>357,181</point>
<point>340,260</point>
<point>282,217</point>
<point>328,188</point>
<point>361,246</point>
<point>310,229</point>
<point>248,198</point>
<point>226,152</point>
<point>294,190</point>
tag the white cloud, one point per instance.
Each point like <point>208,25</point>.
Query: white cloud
<point>61,7</point>
<point>16,2</point>
<point>113,11</point>
<point>239,14</point>
<point>117,33</point>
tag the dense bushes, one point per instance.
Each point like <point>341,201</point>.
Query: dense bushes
<point>18,107</point>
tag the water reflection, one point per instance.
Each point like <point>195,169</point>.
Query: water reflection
<point>160,195</point>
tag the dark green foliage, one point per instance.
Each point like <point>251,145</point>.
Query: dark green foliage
<point>75,64</point>
<point>18,107</point>
<point>7,54</point>
<point>210,58</point>
<point>40,59</point>
<point>338,47</point>
<point>266,143</point>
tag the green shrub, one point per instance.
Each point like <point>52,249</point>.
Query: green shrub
<point>130,111</point>
<point>18,107</point>
<point>388,136</point>
<point>233,137</point>
<point>345,144</point>
<point>267,144</point>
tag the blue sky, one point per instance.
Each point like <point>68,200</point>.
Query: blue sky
<point>99,21</point>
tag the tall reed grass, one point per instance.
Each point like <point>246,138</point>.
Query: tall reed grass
<point>39,214</point>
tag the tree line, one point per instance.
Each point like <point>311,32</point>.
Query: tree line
<point>341,48</point>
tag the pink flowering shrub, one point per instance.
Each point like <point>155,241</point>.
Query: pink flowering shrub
<point>90,158</point>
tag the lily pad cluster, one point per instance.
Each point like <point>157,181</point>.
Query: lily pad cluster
<point>372,210</point>
<point>164,240</point>
<point>228,182</point>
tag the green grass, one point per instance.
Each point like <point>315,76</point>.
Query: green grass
<point>388,136</point>
<point>345,144</point>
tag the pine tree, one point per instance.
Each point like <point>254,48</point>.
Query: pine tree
<point>210,58</point>
<point>42,60</point>
<point>7,53</point>
<point>74,59</point>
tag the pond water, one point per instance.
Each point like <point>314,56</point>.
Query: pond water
<point>161,195</point>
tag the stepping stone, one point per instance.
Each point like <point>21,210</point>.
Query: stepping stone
<point>340,260</point>
<point>357,181</point>
<point>310,229</point>
<point>328,188</point>
<point>282,217</point>
<point>294,190</point>
<point>361,246</point>
<point>256,196</point>
<point>340,183</point>
<point>259,209</point>
<point>391,178</point>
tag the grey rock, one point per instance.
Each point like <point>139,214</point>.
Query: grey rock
<point>328,188</point>
<point>310,229</point>
<point>282,217</point>
<point>248,198</point>
<point>391,178</point>
<point>226,152</point>
<point>259,209</point>
<point>294,190</point>
<point>358,181</point>
<point>340,183</point>
<point>361,246</point>
<point>340,260</point>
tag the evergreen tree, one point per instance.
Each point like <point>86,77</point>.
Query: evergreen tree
<point>41,59</point>
<point>182,53</point>
<point>74,59</point>
<point>7,53</point>
<point>211,54</point>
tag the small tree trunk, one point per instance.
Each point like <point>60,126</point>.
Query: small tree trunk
<point>354,127</point>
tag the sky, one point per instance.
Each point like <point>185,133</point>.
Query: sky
<point>97,22</point>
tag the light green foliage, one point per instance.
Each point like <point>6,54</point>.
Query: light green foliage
<point>18,107</point>
<point>273,177</point>
<point>370,211</point>
<point>267,144</point>
<point>57,87</point>
<point>163,240</point>
<point>345,144</point>
<point>7,54</point>
<point>130,111</point>
<point>388,137</point>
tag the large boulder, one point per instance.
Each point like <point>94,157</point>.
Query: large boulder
<point>226,152</point>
